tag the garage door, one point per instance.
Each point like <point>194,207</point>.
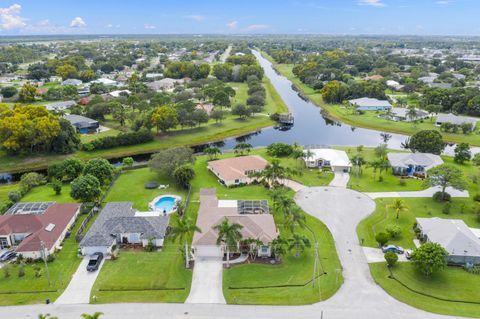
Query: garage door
<point>208,251</point>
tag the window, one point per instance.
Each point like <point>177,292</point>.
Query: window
<point>237,181</point>
<point>264,249</point>
<point>3,243</point>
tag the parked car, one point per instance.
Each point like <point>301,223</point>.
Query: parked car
<point>94,262</point>
<point>393,248</point>
<point>9,254</point>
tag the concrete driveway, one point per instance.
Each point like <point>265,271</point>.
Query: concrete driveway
<point>207,281</point>
<point>375,255</point>
<point>340,179</point>
<point>78,290</point>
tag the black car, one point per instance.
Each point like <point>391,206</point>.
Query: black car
<point>94,261</point>
<point>7,255</point>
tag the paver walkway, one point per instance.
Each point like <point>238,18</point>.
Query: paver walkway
<point>423,193</point>
<point>78,290</point>
<point>340,179</point>
<point>293,185</point>
<point>207,281</point>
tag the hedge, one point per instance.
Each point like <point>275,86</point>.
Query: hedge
<point>122,139</point>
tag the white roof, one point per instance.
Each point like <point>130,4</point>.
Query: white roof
<point>105,81</point>
<point>452,234</point>
<point>367,101</point>
<point>455,119</point>
<point>335,157</point>
<point>418,159</point>
<point>117,92</point>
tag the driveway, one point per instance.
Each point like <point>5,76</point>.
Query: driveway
<point>78,290</point>
<point>340,179</point>
<point>375,255</point>
<point>207,281</point>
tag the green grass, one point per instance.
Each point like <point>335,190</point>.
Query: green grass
<point>143,270</point>
<point>230,126</point>
<point>370,119</point>
<point>61,271</point>
<point>451,283</point>
<point>4,190</point>
<point>85,138</point>
<point>46,193</point>
<point>130,187</point>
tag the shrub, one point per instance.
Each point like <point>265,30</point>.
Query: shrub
<point>438,197</point>
<point>402,182</point>
<point>446,208</point>
<point>476,197</point>
<point>149,247</point>
<point>21,271</point>
<point>122,139</point>
<point>30,180</point>
<point>14,196</point>
<point>37,270</point>
<point>393,230</point>
<point>382,238</point>
<point>56,186</point>
<point>279,149</point>
<point>391,258</point>
<point>6,271</point>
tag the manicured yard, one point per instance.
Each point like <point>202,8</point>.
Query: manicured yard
<point>148,273</point>
<point>85,138</point>
<point>130,187</point>
<point>452,283</point>
<point>13,289</point>
<point>4,190</point>
<point>45,193</point>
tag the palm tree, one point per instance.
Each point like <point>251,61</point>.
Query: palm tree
<point>96,315</point>
<point>274,173</point>
<point>298,243</point>
<point>212,152</point>
<point>294,218</point>
<point>279,247</point>
<point>292,215</point>
<point>183,230</point>
<point>358,162</point>
<point>384,165</point>
<point>242,148</point>
<point>398,206</point>
<point>253,245</point>
<point>375,165</point>
<point>229,234</point>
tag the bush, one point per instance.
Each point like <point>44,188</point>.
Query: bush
<point>402,182</point>
<point>279,149</point>
<point>56,186</point>
<point>446,208</point>
<point>394,230</point>
<point>21,271</point>
<point>382,238</point>
<point>438,197</point>
<point>14,196</point>
<point>37,270</point>
<point>122,139</point>
<point>476,197</point>
<point>6,271</point>
<point>391,258</point>
<point>30,180</point>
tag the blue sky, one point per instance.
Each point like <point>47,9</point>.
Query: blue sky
<point>422,17</point>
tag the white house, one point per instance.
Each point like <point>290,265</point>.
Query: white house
<point>370,104</point>
<point>337,160</point>
<point>413,164</point>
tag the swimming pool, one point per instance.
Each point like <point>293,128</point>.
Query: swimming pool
<point>164,204</point>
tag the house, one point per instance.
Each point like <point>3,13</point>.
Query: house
<point>164,84</point>
<point>207,107</point>
<point>55,78</point>
<point>413,164</point>
<point>455,119</point>
<point>119,93</point>
<point>254,216</point>
<point>153,75</point>
<point>119,224</point>
<point>337,160</point>
<point>440,85</point>
<point>394,85</point>
<point>236,170</point>
<point>462,245</point>
<point>401,114</point>
<point>82,124</point>
<point>370,104</point>
<point>375,77</point>
<point>35,230</point>
<point>75,82</point>
<point>105,81</point>
<point>60,106</point>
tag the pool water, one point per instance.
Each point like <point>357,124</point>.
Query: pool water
<point>165,203</point>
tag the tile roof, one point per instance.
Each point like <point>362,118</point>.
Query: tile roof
<point>235,167</point>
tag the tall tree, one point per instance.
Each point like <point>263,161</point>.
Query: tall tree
<point>165,118</point>
<point>229,234</point>
<point>398,205</point>
<point>183,230</point>
<point>298,243</point>
<point>446,175</point>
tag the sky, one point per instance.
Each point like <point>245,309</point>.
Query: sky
<point>405,17</point>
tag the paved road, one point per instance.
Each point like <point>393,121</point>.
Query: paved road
<point>340,179</point>
<point>424,193</point>
<point>359,297</point>
<point>375,255</point>
<point>78,290</point>
<point>207,281</point>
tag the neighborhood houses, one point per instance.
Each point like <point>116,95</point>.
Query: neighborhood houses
<point>370,104</point>
<point>337,160</point>
<point>413,164</point>
<point>237,170</point>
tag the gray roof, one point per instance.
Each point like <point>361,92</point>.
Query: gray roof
<point>418,159</point>
<point>455,119</point>
<point>60,105</point>
<point>440,85</point>
<point>402,112</point>
<point>72,82</point>
<point>452,234</point>
<point>74,119</point>
<point>119,218</point>
<point>367,101</point>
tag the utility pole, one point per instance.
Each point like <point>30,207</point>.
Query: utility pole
<point>44,253</point>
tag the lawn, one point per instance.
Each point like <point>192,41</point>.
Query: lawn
<point>85,138</point>
<point>148,272</point>
<point>292,270</point>
<point>230,126</point>
<point>4,190</point>
<point>130,187</point>
<point>46,194</point>
<point>369,119</point>
<point>12,289</point>
<point>452,283</point>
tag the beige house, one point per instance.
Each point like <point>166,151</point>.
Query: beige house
<point>254,216</point>
<point>236,170</point>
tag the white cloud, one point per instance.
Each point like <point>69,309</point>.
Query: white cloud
<point>232,24</point>
<point>149,26</point>
<point>112,26</point>
<point>10,17</point>
<point>78,22</point>
<point>373,3</point>
<point>443,2</point>
<point>195,17</point>
<point>257,27</point>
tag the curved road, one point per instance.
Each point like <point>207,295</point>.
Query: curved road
<point>359,297</point>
